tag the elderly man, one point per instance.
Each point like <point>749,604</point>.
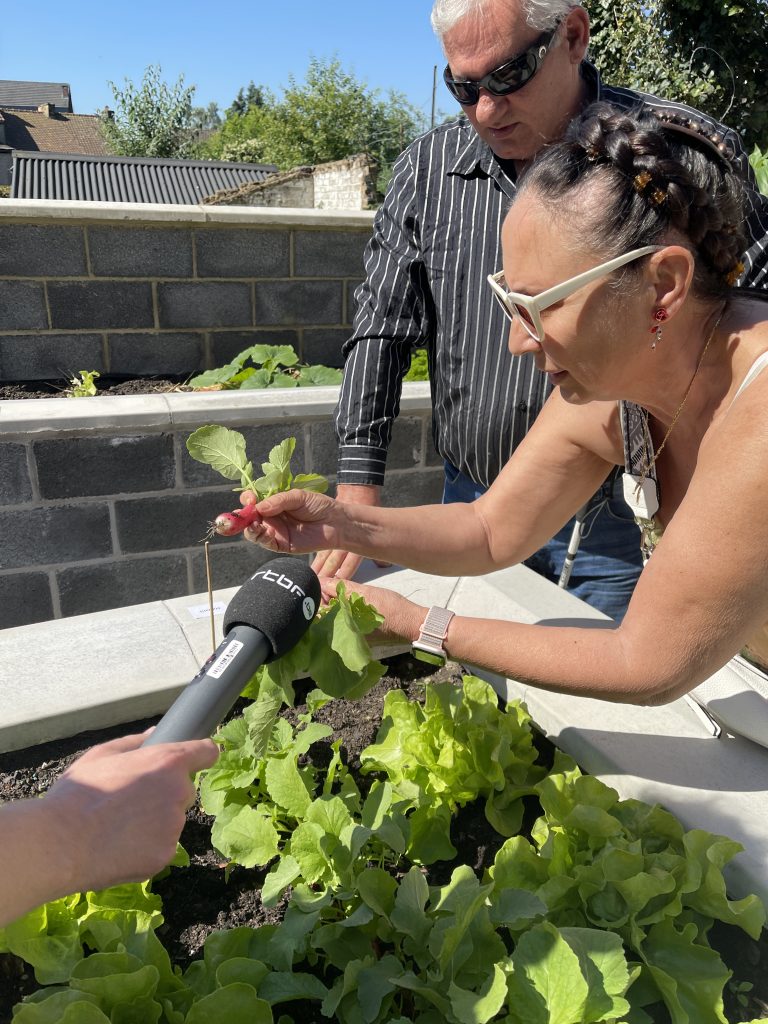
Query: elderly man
<point>518,70</point>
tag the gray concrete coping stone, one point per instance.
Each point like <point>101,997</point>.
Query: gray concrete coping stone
<point>179,411</point>
<point>256,216</point>
<point>90,671</point>
<point>65,676</point>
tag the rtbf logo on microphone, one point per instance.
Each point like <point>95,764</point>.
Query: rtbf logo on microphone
<point>307,604</point>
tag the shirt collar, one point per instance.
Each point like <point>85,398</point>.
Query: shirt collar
<point>477,156</point>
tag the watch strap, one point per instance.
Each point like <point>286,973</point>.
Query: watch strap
<point>433,631</point>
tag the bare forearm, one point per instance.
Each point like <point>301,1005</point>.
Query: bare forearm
<point>594,661</point>
<point>562,659</point>
<point>35,862</point>
<point>440,539</point>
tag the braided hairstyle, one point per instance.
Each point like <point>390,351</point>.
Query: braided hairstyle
<point>637,181</point>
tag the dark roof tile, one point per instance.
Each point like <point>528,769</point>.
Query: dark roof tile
<point>126,179</point>
<point>29,95</point>
<point>61,133</point>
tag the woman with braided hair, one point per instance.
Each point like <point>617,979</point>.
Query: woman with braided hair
<point>620,255</point>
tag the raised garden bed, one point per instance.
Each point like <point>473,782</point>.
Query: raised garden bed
<point>199,899</point>
<point>106,386</point>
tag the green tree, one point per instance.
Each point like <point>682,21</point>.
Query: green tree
<point>647,45</point>
<point>329,116</point>
<point>246,98</point>
<point>152,119</point>
<point>206,119</point>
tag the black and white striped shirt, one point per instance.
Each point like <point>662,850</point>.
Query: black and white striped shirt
<point>435,239</point>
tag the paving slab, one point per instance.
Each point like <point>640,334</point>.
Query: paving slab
<point>64,676</point>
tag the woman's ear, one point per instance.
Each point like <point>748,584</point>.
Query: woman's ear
<point>671,273</point>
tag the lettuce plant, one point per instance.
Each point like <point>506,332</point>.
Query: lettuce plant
<point>457,747</point>
<point>631,868</point>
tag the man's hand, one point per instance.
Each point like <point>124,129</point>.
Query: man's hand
<point>344,564</point>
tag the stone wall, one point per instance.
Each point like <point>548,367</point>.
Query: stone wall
<point>340,185</point>
<point>344,185</point>
<point>101,506</point>
<point>138,290</point>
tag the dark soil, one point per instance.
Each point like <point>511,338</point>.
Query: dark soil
<point>197,900</point>
<point>104,386</point>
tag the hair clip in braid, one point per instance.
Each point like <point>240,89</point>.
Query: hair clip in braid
<point>701,132</point>
<point>734,274</point>
<point>641,181</point>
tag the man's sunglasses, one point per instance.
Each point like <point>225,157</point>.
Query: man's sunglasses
<point>508,78</point>
<point>526,309</point>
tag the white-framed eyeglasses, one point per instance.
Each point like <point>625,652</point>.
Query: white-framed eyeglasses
<point>526,309</point>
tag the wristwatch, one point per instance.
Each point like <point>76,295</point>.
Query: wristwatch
<point>434,629</point>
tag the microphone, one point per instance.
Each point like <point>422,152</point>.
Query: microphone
<point>268,616</point>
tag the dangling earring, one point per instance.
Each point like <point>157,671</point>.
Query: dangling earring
<point>659,316</point>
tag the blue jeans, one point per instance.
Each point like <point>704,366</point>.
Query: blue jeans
<point>608,562</point>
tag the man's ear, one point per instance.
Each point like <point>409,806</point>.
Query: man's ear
<point>576,33</point>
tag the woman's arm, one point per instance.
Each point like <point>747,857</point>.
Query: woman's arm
<point>703,594</point>
<point>562,461</point>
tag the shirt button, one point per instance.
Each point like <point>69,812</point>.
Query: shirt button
<point>522,407</point>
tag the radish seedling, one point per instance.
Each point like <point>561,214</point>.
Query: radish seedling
<point>224,451</point>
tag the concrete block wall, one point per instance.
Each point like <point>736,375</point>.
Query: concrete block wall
<point>101,506</point>
<point>138,290</point>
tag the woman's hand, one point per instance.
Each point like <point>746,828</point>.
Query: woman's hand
<point>402,618</point>
<point>293,521</point>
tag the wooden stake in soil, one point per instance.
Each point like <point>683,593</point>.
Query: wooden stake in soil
<point>210,595</point>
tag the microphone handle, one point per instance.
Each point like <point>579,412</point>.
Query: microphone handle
<point>200,707</point>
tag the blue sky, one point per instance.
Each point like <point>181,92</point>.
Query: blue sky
<point>220,48</point>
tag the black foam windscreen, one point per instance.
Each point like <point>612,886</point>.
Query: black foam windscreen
<point>280,600</point>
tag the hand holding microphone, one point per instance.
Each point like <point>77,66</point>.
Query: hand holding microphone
<point>116,813</point>
<point>266,618</point>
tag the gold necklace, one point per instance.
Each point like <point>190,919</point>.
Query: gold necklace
<point>650,530</point>
<point>650,464</point>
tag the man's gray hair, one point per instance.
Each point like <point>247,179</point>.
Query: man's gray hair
<point>539,14</point>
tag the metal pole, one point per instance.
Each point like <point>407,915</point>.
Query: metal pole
<point>573,546</point>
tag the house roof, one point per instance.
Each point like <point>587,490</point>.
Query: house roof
<point>125,179</point>
<point>53,133</point>
<point>29,95</point>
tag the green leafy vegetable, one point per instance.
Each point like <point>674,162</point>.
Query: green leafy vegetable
<point>266,366</point>
<point>82,385</point>
<point>224,450</point>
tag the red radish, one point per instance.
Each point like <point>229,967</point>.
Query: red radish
<point>229,524</point>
